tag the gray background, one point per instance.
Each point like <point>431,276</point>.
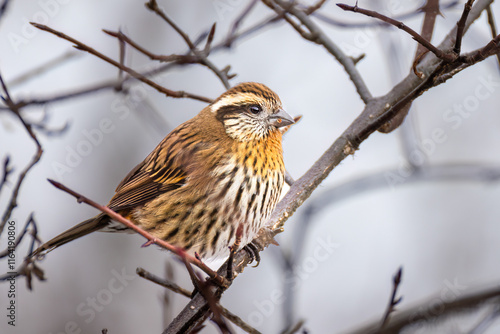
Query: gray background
<point>445,234</point>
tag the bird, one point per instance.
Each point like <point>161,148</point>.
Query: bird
<point>217,173</point>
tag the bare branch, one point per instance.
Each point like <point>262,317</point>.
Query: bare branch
<point>81,46</point>
<point>6,171</point>
<point>202,56</point>
<point>396,280</point>
<point>241,17</point>
<point>111,84</point>
<point>151,239</point>
<point>163,282</point>
<point>400,25</point>
<point>186,293</point>
<point>34,234</point>
<point>350,25</point>
<point>431,10</point>
<point>493,28</point>
<point>322,39</point>
<point>426,312</point>
<point>38,154</point>
<point>461,26</point>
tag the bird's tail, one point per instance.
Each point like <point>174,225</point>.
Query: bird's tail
<point>77,231</point>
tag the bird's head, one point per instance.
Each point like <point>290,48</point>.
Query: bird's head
<point>250,111</point>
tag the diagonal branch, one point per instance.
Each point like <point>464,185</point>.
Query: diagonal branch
<point>318,36</point>
<point>400,25</point>
<point>151,239</point>
<point>81,46</point>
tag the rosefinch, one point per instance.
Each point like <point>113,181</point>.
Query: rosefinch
<point>222,168</point>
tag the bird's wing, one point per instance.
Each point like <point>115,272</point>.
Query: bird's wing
<point>157,174</point>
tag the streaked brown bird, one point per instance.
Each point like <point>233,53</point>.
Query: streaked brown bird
<point>220,169</point>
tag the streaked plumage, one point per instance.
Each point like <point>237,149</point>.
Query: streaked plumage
<point>219,169</point>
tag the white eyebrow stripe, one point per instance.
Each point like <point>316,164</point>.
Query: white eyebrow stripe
<point>234,99</point>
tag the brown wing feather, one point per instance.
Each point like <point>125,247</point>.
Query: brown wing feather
<point>145,182</point>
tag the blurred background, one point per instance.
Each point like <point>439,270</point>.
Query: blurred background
<point>439,219</point>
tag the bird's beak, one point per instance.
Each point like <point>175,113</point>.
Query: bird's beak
<point>281,118</point>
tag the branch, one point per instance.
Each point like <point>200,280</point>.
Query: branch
<point>27,268</point>
<point>163,282</point>
<point>7,170</point>
<point>201,55</point>
<point>353,25</point>
<point>493,28</point>
<point>111,84</point>
<point>318,36</point>
<point>179,290</point>
<point>151,239</point>
<point>396,281</point>
<point>400,25</point>
<point>236,23</point>
<point>426,312</point>
<point>81,46</point>
<point>38,154</point>
<point>461,26</point>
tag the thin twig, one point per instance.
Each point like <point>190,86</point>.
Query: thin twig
<point>400,25</point>
<point>493,28</point>
<point>111,84</point>
<point>461,26</point>
<point>236,23</point>
<point>295,328</point>
<point>202,55</point>
<point>391,307</point>
<point>34,234</point>
<point>431,10</point>
<point>36,157</point>
<point>202,286</point>
<point>27,268</point>
<point>7,170</point>
<point>186,293</point>
<point>313,8</point>
<point>163,282</point>
<point>426,312</point>
<point>151,239</point>
<point>81,46</point>
<point>322,39</point>
<point>179,59</point>
<point>371,23</point>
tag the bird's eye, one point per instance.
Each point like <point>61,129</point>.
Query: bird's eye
<point>255,109</point>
